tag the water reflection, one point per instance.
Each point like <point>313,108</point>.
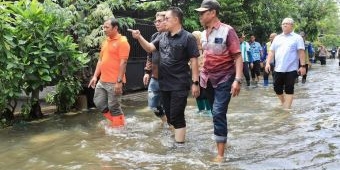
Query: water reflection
<point>261,136</point>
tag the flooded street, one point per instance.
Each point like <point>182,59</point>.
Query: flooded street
<point>261,135</point>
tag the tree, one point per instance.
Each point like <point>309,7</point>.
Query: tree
<point>9,82</point>
<point>44,51</point>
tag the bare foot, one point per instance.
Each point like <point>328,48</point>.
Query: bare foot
<point>218,159</point>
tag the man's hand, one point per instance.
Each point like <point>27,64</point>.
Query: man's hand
<point>267,68</point>
<point>135,33</point>
<point>93,82</point>
<point>235,88</point>
<point>195,90</point>
<point>146,79</point>
<point>251,65</point>
<point>302,71</point>
<point>118,88</point>
<point>148,65</point>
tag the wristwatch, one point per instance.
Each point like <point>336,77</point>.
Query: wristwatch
<point>195,83</point>
<point>303,65</point>
<point>119,80</point>
<point>238,80</point>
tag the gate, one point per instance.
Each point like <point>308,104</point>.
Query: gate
<point>137,58</point>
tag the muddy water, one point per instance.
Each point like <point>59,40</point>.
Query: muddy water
<point>261,135</point>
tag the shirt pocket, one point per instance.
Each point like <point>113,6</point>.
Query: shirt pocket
<point>178,51</point>
<point>292,47</point>
<point>219,46</point>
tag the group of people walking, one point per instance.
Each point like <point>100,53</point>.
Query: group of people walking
<point>210,64</point>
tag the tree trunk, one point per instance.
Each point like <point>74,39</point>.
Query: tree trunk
<point>36,109</point>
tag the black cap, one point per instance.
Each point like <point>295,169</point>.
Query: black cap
<point>208,4</point>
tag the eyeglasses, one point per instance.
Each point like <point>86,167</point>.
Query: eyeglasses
<point>158,21</point>
<point>167,18</point>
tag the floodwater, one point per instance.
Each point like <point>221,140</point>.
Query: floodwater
<point>261,135</point>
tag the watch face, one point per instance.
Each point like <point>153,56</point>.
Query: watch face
<point>195,82</point>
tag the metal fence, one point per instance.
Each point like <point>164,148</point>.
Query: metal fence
<point>137,58</point>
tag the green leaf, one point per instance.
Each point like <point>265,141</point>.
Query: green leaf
<point>21,42</point>
<point>8,38</point>
<point>10,66</point>
<point>48,51</point>
<point>46,78</point>
<point>43,71</point>
<point>36,61</point>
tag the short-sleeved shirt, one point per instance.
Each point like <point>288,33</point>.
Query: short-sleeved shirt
<point>154,58</point>
<point>112,51</point>
<point>220,47</point>
<point>244,47</point>
<point>255,49</point>
<point>175,53</point>
<point>286,48</point>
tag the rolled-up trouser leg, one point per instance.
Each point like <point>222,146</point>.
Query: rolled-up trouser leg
<point>221,99</point>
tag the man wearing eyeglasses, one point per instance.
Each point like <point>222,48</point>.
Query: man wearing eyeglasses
<point>222,68</point>
<point>151,72</point>
<point>288,49</point>
<point>176,47</point>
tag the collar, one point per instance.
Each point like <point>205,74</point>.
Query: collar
<point>291,33</point>
<point>217,24</point>
<point>116,37</point>
<point>177,34</point>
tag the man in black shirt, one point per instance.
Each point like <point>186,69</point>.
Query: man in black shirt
<point>176,48</point>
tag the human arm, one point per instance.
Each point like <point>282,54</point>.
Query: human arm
<point>147,72</point>
<point>302,69</point>
<point>124,51</point>
<point>119,84</point>
<point>270,57</point>
<point>195,88</point>
<point>96,74</point>
<point>148,47</point>
<point>236,86</point>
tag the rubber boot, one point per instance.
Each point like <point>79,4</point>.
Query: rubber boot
<point>108,116</point>
<point>118,120</point>
<point>200,104</point>
<point>207,104</point>
<point>265,83</point>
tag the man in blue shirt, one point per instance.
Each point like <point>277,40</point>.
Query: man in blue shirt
<point>256,53</point>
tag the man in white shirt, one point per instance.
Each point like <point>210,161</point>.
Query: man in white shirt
<point>288,48</point>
